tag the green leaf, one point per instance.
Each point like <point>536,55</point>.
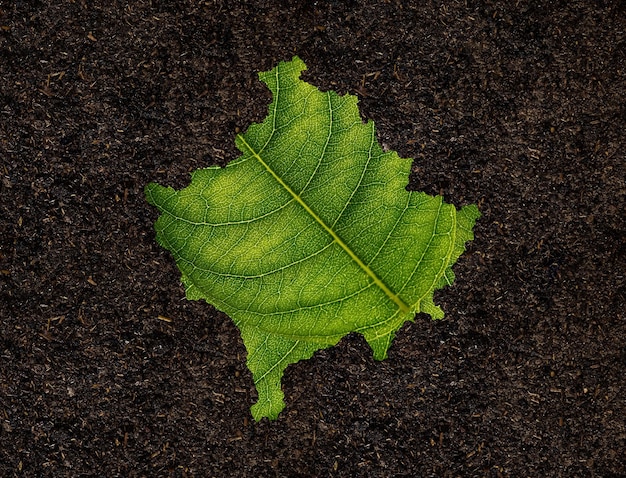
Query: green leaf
<point>310,234</point>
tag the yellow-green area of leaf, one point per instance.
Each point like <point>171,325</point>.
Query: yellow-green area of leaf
<point>310,234</point>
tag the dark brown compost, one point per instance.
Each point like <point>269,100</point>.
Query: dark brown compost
<point>105,370</point>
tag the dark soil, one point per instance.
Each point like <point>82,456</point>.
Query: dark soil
<point>517,106</point>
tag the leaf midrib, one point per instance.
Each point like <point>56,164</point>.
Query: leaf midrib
<point>372,275</point>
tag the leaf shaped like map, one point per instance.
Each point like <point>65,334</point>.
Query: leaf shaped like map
<point>310,234</point>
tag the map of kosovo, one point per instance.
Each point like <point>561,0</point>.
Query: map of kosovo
<point>310,234</point>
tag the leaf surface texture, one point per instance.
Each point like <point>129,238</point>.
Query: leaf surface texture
<point>310,234</point>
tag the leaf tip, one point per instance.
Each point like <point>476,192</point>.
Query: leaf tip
<point>428,306</point>
<point>379,344</point>
<point>149,191</point>
<point>289,68</point>
<point>155,194</point>
<point>267,409</point>
<point>472,212</point>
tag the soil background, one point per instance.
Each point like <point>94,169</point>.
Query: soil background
<point>105,368</point>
